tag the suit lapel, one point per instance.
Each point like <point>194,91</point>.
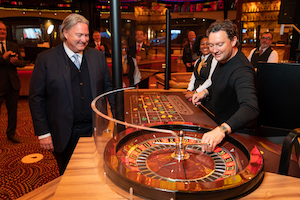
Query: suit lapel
<point>92,72</point>
<point>65,69</point>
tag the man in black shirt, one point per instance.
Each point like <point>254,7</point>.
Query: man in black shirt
<point>234,97</point>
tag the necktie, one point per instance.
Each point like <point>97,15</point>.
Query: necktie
<point>98,46</point>
<point>138,49</point>
<point>200,65</point>
<point>2,47</point>
<point>76,61</point>
<point>260,52</point>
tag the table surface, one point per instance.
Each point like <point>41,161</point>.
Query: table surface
<point>84,176</point>
<point>81,180</point>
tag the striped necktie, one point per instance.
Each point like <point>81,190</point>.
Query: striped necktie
<point>76,61</point>
<point>200,65</point>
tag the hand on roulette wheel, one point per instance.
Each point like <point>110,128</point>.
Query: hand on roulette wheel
<point>213,138</point>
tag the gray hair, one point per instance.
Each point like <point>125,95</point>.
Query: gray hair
<point>70,21</point>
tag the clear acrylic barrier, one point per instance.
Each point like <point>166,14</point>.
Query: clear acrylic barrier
<point>158,152</point>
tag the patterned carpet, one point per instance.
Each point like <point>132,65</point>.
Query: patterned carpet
<point>24,166</point>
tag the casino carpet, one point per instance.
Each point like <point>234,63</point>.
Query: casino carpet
<point>24,166</point>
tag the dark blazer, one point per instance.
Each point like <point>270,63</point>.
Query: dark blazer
<point>8,72</point>
<point>107,52</point>
<point>50,96</point>
<point>144,53</point>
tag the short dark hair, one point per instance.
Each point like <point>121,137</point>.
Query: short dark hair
<point>267,32</point>
<point>223,25</point>
<point>144,32</point>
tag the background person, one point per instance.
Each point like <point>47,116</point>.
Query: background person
<point>129,65</point>
<point>64,82</point>
<point>97,44</point>
<point>139,50</point>
<point>10,59</point>
<point>264,53</point>
<point>234,97</point>
<point>189,57</point>
<point>203,70</point>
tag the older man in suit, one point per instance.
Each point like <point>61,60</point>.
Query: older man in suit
<point>97,44</point>
<point>139,50</point>
<point>64,81</point>
<point>10,59</point>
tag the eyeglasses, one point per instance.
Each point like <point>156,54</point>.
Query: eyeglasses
<point>266,38</point>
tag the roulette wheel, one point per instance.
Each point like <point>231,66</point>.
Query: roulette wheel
<point>164,160</point>
<point>162,166</point>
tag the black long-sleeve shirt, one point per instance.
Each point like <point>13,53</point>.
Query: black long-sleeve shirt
<point>234,95</point>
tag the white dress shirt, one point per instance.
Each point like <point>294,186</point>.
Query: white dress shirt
<point>273,58</point>
<point>208,82</point>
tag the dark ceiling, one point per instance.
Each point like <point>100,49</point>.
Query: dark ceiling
<point>76,4</point>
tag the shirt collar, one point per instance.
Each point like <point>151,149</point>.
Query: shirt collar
<point>70,53</point>
<point>263,49</point>
<point>205,57</point>
<point>141,44</point>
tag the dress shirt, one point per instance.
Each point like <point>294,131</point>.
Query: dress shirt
<point>137,46</point>
<point>70,54</point>
<point>98,44</point>
<point>273,58</point>
<point>208,82</point>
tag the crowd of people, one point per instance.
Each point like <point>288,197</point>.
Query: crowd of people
<point>68,77</point>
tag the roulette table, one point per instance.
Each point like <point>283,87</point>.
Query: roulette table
<point>154,106</point>
<point>159,156</point>
<point>148,162</point>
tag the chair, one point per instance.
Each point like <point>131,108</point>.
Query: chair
<point>290,140</point>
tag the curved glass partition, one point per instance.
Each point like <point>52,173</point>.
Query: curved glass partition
<point>155,151</point>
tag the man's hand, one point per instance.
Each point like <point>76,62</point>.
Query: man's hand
<point>13,60</point>
<point>197,97</point>
<point>188,64</point>
<point>102,48</point>
<point>6,54</point>
<point>189,95</point>
<point>214,137</point>
<point>47,143</point>
<point>138,59</point>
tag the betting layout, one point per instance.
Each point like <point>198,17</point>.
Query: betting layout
<point>156,107</point>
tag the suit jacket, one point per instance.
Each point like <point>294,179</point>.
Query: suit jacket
<point>107,52</point>
<point>144,53</point>
<point>51,98</point>
<point>8,71</point>
<point>188,55</point>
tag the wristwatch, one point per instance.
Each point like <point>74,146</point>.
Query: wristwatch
<point>224,129</point>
